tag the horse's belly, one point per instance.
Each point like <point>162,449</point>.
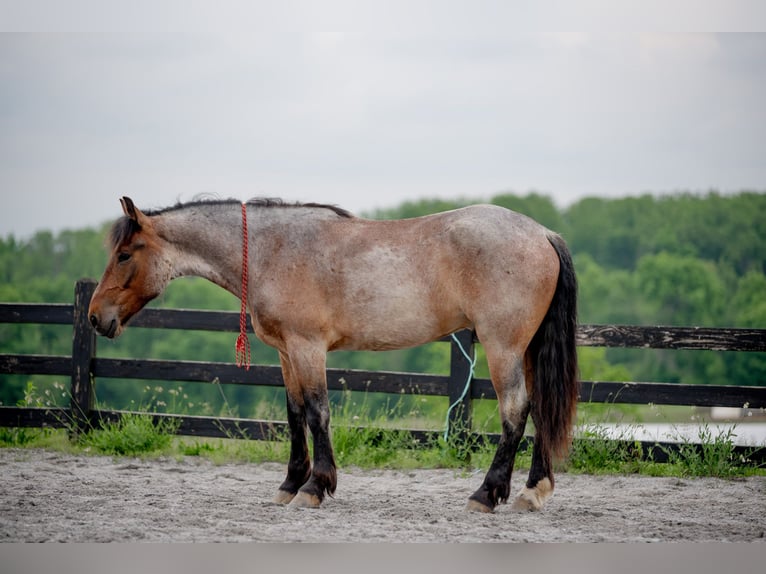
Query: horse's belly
<point>382,341</point>
<point>398,330</point>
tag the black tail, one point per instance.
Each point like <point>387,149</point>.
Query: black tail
<point>553,353</point>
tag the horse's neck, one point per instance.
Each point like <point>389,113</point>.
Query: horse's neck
<point>209,244</point>
<point>208,247</point>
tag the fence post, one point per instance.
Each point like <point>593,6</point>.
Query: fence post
<point>83,352</point>
<point>459,421</point>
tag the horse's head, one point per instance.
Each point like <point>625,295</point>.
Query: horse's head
<point>135,274</point>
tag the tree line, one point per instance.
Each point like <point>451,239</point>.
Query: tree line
<point>679,259</point>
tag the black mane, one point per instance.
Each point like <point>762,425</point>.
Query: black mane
<point>125,227</point>
<point>275,202</point>
<point>122,230</point>
<point>257,202</point>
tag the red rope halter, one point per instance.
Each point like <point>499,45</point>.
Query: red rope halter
<point>242,347</point>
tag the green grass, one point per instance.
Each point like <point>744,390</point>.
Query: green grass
<point>20,437</point>
<point>133,434</point>
<point>712,455</point>
<point>594,453</point>
<point>367,439</point>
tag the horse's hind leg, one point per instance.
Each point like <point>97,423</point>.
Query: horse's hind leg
<point>507,372</point>
<point>539,486</point>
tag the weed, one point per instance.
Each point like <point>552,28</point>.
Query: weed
<point>714,454</point>
<point>133,434</point>
<point>595,451</point>
<point>22,436</point>
<point>363,437</point>
<point>197,448</point>
<point>19,436</point>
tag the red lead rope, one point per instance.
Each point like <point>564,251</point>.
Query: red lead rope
<point>242,347</point>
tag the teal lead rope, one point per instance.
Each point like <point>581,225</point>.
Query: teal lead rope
<point>472,362</point>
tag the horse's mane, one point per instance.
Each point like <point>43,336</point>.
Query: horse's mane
<point>275,202</point>
<point>121,231</point>
<point>125,227</point>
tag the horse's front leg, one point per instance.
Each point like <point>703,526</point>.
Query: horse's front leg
<point>323,479</point>
<point>299,466</point>
<point>306,365</point>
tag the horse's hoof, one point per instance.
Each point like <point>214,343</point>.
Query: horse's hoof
<point>532,499</point>
<point>305,500</point>
<point>476,506</point>
<point>283,497</point>
<point>523,504</point>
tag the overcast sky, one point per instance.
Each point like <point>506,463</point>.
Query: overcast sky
<point>370,119</point>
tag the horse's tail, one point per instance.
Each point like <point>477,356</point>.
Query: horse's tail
<point>553,354</point>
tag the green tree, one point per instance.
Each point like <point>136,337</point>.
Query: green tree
<point>749,301</point>
<point>749,310</point>
<point>607,295</point>
<point>679,259</point>
<point>683,290</point>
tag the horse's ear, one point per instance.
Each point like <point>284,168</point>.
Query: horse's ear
<point>130,210</point>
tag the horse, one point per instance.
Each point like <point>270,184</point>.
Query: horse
<point>316,278</point>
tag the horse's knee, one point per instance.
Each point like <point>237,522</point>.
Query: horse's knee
<point>533,499</point>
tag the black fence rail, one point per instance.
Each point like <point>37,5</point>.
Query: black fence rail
<point>84,367</point>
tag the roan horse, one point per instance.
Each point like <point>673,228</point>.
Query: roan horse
<point>321,279</point>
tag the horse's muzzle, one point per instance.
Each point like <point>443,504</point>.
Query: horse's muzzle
<point>109,331</point>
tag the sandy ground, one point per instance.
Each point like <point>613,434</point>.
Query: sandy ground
<point>49,496</point>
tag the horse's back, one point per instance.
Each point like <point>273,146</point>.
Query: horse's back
<point>491,226</point>
<point>411,281</point>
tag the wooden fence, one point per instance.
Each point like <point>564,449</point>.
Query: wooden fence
<point>84,367</point>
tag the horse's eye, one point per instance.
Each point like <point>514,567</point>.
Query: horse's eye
<point>123,257</point>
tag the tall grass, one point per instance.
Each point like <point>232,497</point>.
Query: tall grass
<point>361,438</point>
<point>365,438</point>
<point>595,451</point>
<point>133,434</point>
<point>713,454</point>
